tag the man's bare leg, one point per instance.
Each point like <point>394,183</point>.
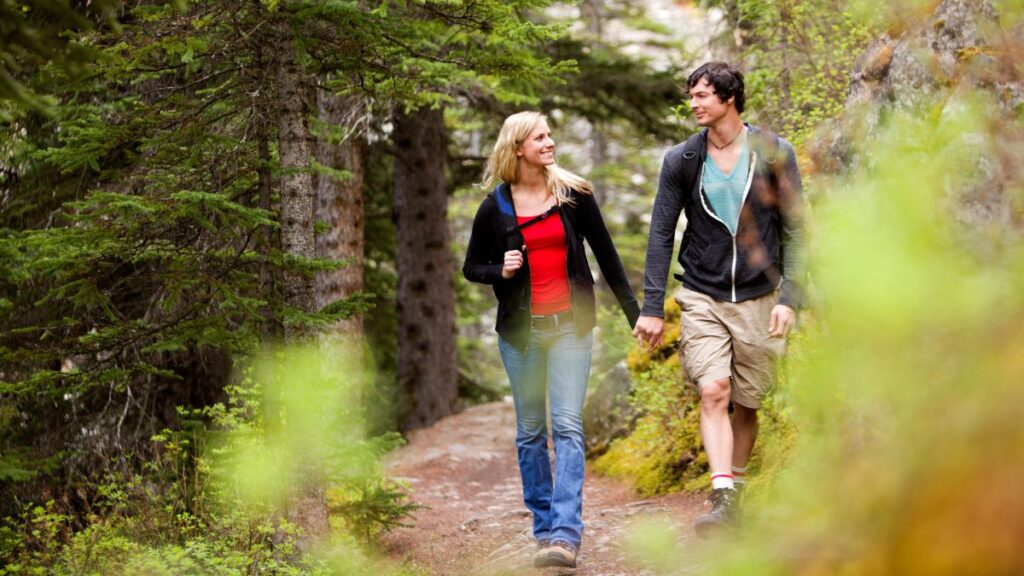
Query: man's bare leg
<point>744,434</point>
<point>715,427</point>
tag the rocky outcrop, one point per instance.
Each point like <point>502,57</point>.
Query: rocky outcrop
<point>931,63</point>
<point>608,413</point>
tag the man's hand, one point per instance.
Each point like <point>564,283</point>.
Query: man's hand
<point>649,330</point>
<point>513,262</point>
<point>783,318</point>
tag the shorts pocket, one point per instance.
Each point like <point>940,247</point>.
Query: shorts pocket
<point>774,346</point>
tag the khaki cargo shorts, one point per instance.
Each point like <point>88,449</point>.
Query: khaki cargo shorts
<point>729,340</point>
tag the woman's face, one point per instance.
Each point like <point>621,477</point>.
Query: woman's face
<point>538,149</point>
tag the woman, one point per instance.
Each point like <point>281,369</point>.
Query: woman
<point>527,242</point>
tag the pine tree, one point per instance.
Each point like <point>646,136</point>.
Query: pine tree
<point>162,212</point>
<point>426,296</point>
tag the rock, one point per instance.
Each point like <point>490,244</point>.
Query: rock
<point>608,413</point>
<point>930,65</point>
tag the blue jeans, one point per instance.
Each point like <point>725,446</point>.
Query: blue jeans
<point>557,362</point>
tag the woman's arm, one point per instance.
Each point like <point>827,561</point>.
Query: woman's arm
<point>483,260</point>
<point>596,233</point>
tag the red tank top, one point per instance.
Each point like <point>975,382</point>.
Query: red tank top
<point>546,252</point>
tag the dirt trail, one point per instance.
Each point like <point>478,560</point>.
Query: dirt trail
<point>463,471</point>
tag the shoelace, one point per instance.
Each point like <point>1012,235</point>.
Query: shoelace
<point>565,546</point>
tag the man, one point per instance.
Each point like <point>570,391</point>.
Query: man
<point>739,187</point>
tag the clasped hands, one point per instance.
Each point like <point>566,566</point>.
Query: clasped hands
<point>650,329</point>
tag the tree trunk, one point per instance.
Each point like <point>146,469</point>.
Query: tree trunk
<point>339,203</point>
<point>296,184</point>
<point>591,11</point>
<point>426,297</point>
<point>308,507</point>
<point>268,239</point>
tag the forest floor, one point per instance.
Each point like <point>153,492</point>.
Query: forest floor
<point>463,472</point>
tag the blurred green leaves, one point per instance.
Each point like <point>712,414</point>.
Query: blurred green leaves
<point>310,425</point>
<point>35,32</point>
<point>908,400</point>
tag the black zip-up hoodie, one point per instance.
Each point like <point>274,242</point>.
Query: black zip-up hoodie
<point>767,251</point>
<point>581,220</point>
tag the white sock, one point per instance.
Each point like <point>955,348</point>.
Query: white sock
<point>722,480</point>
<point>739,475</point>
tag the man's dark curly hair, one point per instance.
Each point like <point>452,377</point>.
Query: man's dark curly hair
<point>727,80</point>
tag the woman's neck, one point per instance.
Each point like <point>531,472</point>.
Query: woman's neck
<point>531,181</point>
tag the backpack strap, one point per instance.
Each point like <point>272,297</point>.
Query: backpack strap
<point>532,221</point>
<point>510,224</point>
<point>507,216</point>
<point>690,163</point>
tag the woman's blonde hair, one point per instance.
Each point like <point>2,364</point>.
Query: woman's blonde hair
<point>503,164</point>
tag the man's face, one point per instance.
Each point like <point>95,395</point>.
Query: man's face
<point>706,105</point>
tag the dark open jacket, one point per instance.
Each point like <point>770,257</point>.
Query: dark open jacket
<point>766,252</point>
<point>581,220</point>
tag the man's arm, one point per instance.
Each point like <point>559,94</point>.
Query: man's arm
<point>664,217</point>
<point>668,204</point>
<point>791,208</point>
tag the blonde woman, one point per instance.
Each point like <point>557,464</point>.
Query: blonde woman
<point>527,242</point>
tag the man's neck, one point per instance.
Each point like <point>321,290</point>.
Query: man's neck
<point>726,129</point>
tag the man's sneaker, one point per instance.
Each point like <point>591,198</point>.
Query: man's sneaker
<point>724,513</point>
<point>559,553</point>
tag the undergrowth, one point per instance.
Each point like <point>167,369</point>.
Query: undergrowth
<point>182,511</point>
<point>663,453</point>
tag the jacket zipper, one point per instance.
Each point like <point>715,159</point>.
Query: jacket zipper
<point>521,240</point>
<point>746,191</point>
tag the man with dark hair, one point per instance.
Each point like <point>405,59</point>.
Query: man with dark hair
<point>739,187</point>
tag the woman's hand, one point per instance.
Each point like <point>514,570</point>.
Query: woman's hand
<point>649,331</point>
<point>513,262</point>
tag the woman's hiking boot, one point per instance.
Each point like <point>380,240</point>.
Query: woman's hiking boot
<point>558,553</point>
<point>724,514</point>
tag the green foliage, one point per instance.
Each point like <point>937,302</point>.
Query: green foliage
<point>907,394</point>
<point>140,216</point>
<point>34,33</point>
<point>192,509</point>
<point>662,453</point>
<point>299,415</point>
<point>611,88</point>
<point>797,59</point>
